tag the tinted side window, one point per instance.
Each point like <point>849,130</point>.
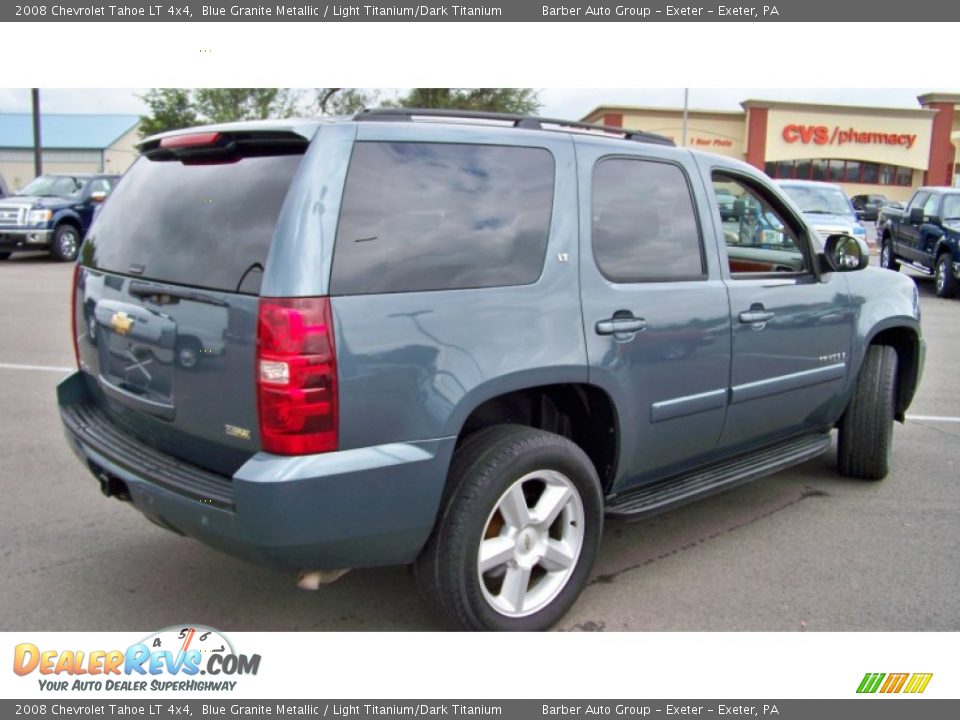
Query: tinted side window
<point>757,235</point>
<point>99,185</point>
<point>644,222</point>
<point>919,200</point>
<point>432,216</point>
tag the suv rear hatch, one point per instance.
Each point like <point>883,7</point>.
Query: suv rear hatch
<point>168,289</point>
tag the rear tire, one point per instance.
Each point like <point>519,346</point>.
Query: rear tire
<point>887,258</point>
<point>517,534</point>
<point>945,283</point>
<point>866,428</point>
<point>66,243</point>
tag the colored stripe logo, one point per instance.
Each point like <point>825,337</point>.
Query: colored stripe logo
<point>894,683</point>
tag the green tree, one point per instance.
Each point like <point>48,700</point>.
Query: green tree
<point>521,101</point>
<point>231,104</point>
<point>344,101</point>
<point>170,109</point>
<point>174,108</point>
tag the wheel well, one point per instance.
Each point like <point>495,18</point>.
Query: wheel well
<point>68,221</point>
<point>906,343</point>
<point>581,413</point>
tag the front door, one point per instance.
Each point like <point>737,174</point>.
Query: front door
<point>908,234</point>
<point>655,311</point>
<point>791,326</point>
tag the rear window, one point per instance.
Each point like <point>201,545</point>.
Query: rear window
<point>203,225</point>
<point>430,216</point>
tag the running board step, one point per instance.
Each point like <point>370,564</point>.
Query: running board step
<point>666,494</point>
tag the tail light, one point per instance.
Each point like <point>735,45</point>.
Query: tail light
<point>73,313</point>
<point>296,376</point>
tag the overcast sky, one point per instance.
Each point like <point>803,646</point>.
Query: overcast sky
<point>565,103</point>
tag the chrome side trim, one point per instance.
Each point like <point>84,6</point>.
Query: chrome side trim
<point>687,405</point>
<point>784,383</point>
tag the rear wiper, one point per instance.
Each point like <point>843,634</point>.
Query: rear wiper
<point>144,290</point>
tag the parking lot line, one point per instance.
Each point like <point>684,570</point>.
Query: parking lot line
<point>43,368</point>
<point>934,418</point>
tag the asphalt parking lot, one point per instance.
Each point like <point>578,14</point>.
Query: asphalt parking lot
<point>801,550</point>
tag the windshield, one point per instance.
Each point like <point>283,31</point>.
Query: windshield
<point>819,200</point>
<point>55,186</point>
<point>951,207</point>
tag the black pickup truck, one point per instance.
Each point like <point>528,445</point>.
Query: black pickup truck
<point>926,235</point>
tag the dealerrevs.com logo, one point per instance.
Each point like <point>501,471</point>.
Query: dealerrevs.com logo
<point>171,659</point>
<point>894,683</point>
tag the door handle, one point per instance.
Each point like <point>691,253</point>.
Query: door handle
<point>756,314</point>
<point>621,326</point>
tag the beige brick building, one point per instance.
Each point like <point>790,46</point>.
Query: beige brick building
<point>890,151</point>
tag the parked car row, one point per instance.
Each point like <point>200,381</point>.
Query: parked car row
<point>868,206</point>
<point>52,213</point>
<point>827,208</point>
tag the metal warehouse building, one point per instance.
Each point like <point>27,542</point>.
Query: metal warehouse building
<point>71,143</point>
<point>890,151</point>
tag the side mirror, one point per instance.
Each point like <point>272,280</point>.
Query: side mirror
<point>916,215</point>
<point>843,253</point>
<point>98,196</point>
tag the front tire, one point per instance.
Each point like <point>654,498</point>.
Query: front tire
<point>887,258</point>
<point>944,281</point>
<point>866,428</point>
<point>66,243</point>
<point>5,255</point>
<point>517,534</point>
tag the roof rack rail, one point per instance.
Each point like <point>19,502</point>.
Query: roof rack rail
<point>528,122</point>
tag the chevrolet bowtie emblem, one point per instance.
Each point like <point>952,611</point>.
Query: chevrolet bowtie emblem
<point>121,323</point>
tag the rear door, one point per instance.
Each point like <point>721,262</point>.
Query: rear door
<point>655,310</point>
<point>168,296</point>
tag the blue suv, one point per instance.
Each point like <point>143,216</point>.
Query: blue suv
<point>460,342</point>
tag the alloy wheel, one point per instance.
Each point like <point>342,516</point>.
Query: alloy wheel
<point>531,543</point>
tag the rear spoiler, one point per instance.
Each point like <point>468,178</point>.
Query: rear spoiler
<point>223,145</point>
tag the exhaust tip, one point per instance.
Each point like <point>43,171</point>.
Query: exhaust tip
<point>113,487</point>
<point>313,579</point>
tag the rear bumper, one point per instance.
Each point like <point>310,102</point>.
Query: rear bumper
<point>11,239</point>
<point>353,508</point>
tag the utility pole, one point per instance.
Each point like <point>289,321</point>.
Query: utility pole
<point>686,100</point>
<point>37,151</point>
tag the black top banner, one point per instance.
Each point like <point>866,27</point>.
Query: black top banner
<point>504,11</point>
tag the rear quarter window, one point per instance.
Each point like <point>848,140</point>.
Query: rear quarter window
<point>432,216</point>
